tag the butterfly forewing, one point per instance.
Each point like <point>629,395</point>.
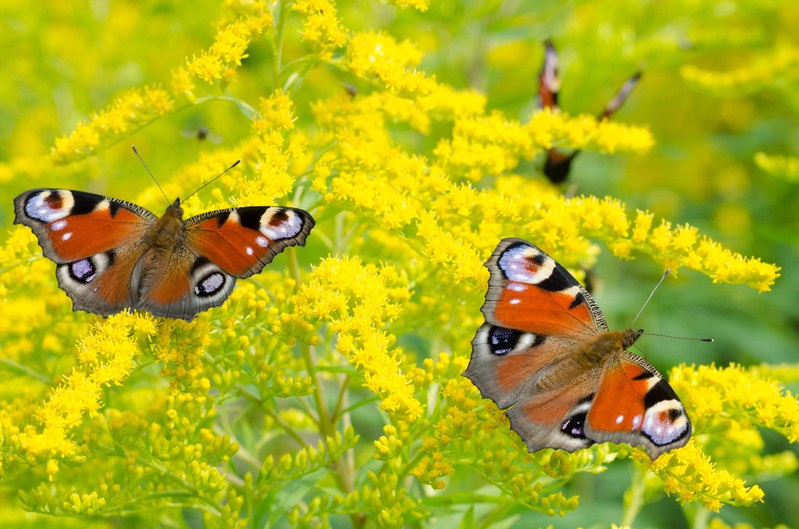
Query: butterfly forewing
<point>242,241</point>
<point>530,291</point>
<point>95,241</point>
<point>73,225</point>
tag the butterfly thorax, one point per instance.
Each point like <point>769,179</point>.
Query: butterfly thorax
<point>596,350</point>
<point>166,231</point>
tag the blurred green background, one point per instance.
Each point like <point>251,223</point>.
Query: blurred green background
<point>62,61</point>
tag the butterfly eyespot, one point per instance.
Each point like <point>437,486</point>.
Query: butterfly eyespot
<point>210,284</point>
<point>502,340</point>
<point>82,271</point>
<point>278,224</point>
<point>49,206</point>
<point>574,426</point>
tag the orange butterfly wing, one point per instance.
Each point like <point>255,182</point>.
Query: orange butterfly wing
<point>635,405</point>
<point>73,225</point>
<point>242,241</point>
<point>94,240</point>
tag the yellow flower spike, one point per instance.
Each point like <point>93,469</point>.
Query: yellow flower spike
<point>739,394</point>
<point>130,112</point>
<point>494,144</point>
<point>775,65</point>
<point>226,53</point>
<point>695,478</point>
<point>361,339</point>
<point>106,358</point>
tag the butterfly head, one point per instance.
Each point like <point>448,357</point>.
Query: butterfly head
<point>175,210</point>
<point>630,336</point>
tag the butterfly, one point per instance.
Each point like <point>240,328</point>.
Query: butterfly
<point>113,255</point>
<point>557,164</point>
<point>545,356</point>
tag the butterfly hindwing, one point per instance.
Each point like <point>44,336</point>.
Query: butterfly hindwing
<point>241,241</point>
<point>635,405</point>
<point>506,361</point>
<point>556,417</point>
<point>181,285</point>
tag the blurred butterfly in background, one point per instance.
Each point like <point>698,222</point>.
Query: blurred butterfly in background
<point>113,255</point>
<point>557,164</point>
<point>545,356</point>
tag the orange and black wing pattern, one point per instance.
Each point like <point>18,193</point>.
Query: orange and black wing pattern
<point>241,241</point>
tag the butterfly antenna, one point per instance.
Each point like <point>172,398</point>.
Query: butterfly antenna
<point>237,162</point>
<point>650,297</point>
<point>680,337</point>
<point>151,174</point>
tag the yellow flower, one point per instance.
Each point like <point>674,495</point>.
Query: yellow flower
<point>132,111</point>
<point>379,56</point>
<point>786,167</point>
<point>320,24</point>
<point>358,300</point>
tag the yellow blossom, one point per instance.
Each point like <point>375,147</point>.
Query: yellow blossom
<point>321,25</point>
<point>129,112</point>
<point>778,63</point>
<point>379,56</point>
<point>785,167</point>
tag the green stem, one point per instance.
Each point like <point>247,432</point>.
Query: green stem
<point>277,62</point>
<point>12,365</point>
<point>635,497</point>
<point>343,473</point>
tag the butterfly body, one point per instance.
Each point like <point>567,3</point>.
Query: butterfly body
<point>113,255</point>
<point>546,356</point>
